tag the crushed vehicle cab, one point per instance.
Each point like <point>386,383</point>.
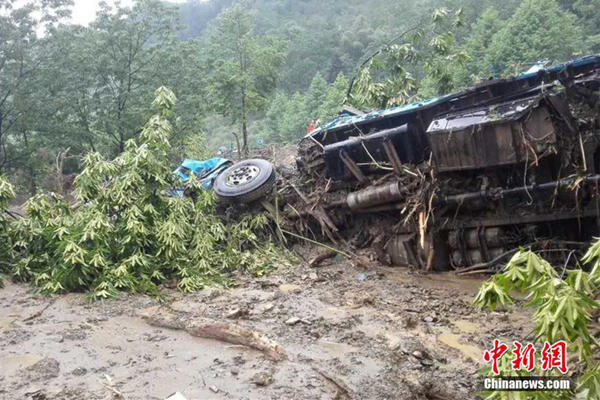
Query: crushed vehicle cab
<point>206,171</point>
<point>460,181</point>
<point>242,182</point>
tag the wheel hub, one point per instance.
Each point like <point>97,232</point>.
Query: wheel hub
<point>242,175</point>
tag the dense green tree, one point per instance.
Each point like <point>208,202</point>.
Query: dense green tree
<point>588,13</point>
<point>265,66</point>
<point>287,118</point>
<point>334,100</point>
<point>538,30</point>
<point>294,121</point>
<point>22,59</point>
<point>273,116</point>
<point>315,97</point>
<point>476,46</point>
<point>126,42</point>
<point>244,67</point>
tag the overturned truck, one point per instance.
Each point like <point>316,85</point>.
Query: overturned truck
<point>461,180</point>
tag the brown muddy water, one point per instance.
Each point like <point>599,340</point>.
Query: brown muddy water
<point>381,333</point>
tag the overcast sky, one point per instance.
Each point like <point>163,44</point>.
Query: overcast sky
<point>84,11</point>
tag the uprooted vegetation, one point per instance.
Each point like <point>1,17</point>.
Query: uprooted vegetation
<point>125,232</point>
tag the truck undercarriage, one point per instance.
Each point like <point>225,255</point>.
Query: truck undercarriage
<point>462,180</point>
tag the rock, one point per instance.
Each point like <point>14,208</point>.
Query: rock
<point>35,394</point>
<point>46,368</point>
<point>79,371</point>
<point>292,321</point>
<point>428,319</point>
<point>236,313</point>
<point>75,334</point>
<point>417,354</point>
<point>265,307</point>
<point>313,276</point>
<point>213,293</point>
<point>239,360</point>
<point>361,277</point>
<point>214,389</point>
<point>234,372</point>
<point>262,379</point>
<point>287,288</point>
<point>426,362</point>
<point>409,322</point>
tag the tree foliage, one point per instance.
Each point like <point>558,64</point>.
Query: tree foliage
<point>262,69</point>
<point>287,117</point>
<point>564,309</point>
<point>244,67</point>
<point>391,76</point>
<point>22,61</point>
<point>125,233</point>
<point>538,30</point>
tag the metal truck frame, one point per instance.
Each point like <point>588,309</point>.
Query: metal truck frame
<point>461,180</point>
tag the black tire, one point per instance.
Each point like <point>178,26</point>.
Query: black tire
<point>245,181</point>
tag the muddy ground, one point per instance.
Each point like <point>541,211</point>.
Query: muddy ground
<point>376,333</point>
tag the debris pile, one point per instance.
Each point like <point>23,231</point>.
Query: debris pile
<point>458,181</point>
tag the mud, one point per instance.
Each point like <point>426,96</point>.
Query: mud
<point>381,333</point>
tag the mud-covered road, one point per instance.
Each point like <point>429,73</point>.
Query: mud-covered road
<point>379,333</point>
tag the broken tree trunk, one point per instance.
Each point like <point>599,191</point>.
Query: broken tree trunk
<point>209,329</point>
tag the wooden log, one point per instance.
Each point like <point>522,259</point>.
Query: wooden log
<point>210,329</point>
<point>236,335</point>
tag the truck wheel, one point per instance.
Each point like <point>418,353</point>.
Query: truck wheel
<point>245,181</point>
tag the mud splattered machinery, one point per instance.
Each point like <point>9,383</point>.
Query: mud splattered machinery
<point>461,180</point>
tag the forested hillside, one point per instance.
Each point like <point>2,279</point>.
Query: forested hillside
<point>258,70</point>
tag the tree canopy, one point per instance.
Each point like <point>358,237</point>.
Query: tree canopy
<point>260,69</point>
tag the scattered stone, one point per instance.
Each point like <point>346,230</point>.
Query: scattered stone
<point>46,368</point>
<point>426,362</point>
<point>409,322</point>
<point>262,379</point>
<point>236,313</point>
<point>35,394</point>
<point>79,371</point>
<point>213,293</point>
<point>417,354</point>
<point>286,288</point>
<point>239,360</point>
<point>313,276</point>
<point>361,277</point>
<point>292,321</point>
<point>214,389</point>
<point>266,307</point>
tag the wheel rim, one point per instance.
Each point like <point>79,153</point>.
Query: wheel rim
<point>242,175</point>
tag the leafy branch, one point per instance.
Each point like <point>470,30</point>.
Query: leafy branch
<point>564,309</point>
<point>125,233</point>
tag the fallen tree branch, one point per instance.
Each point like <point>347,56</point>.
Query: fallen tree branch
<point>111,386</point>
<point>343,391</point>
<point>209,329</point>
<point>39,312</point>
